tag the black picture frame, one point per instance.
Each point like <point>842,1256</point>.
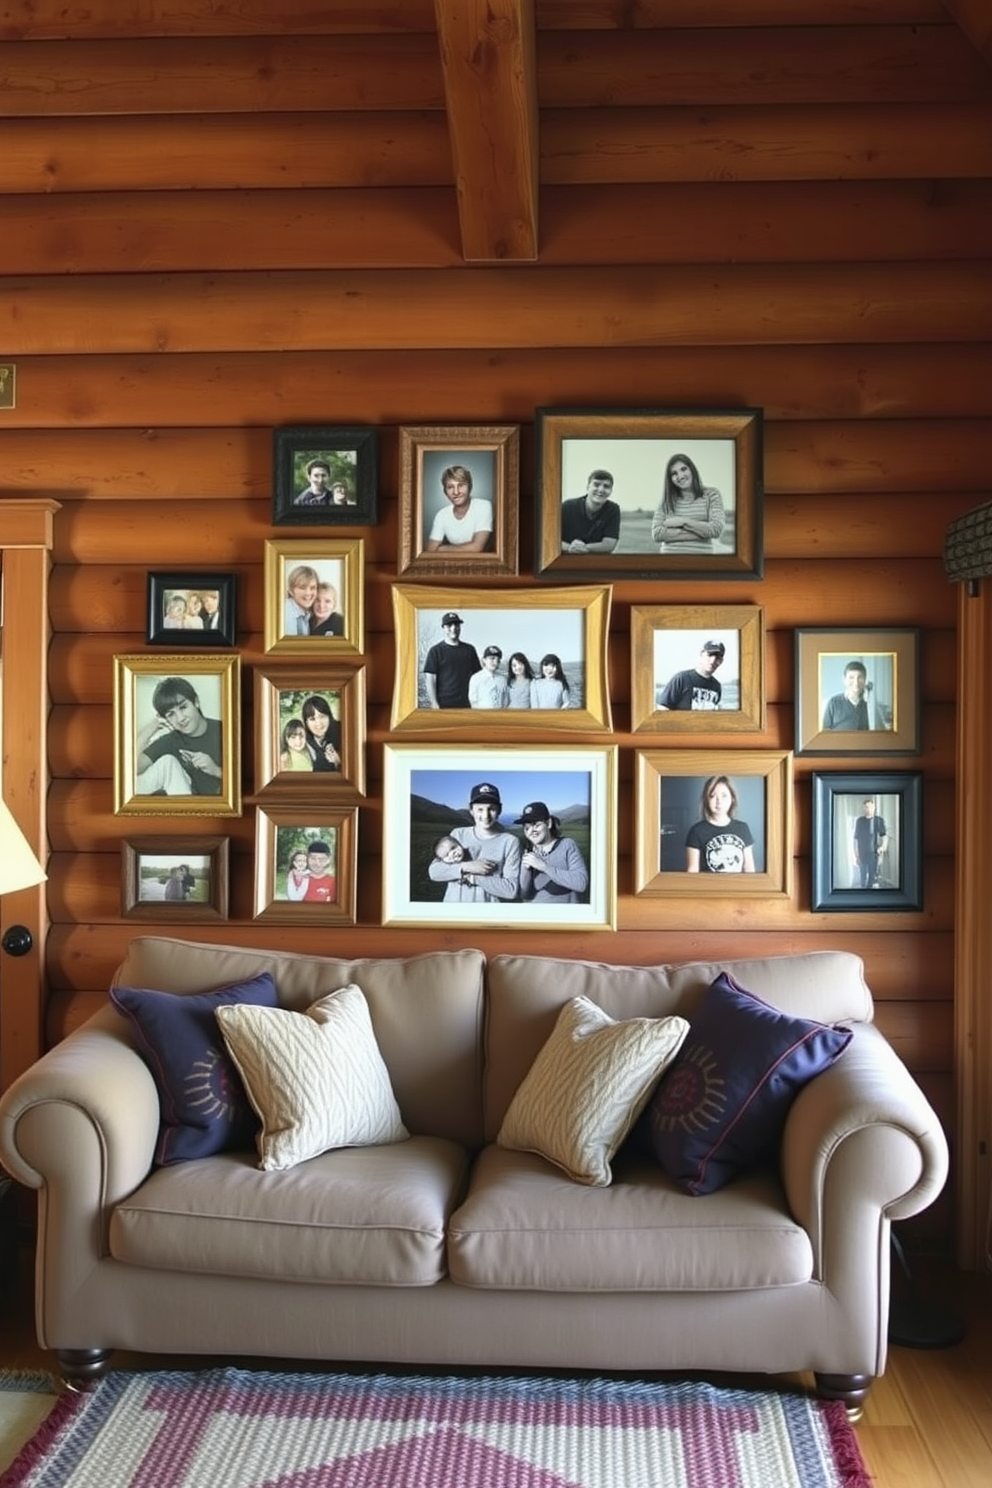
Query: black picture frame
<point>844,878</point>
<point>166,586</point>
<point>352,456</point>
<point>637,452</point>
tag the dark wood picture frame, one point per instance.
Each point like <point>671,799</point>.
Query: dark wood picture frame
<point>150,864</point>
<point>351,456</point>
<point>176,601</point>
<point>854,871</point>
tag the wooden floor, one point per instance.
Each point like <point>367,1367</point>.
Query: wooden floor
<point>927,1423</point>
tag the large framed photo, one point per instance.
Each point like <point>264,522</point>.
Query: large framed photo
<point>315,597</point>
<point>649,494</point>
<point>501,659</point>
<point>306,865</point>
<point>490,837</point>
<point>177,735</point>
<point>174,878</point>
<point>458,501</point>
<point>697,669</point>
<point>191,609</point>
<point>858,691</point>
<point>867,841</point>
<point>310,731</point>
<point>325,477</point>
<point>716,825</point>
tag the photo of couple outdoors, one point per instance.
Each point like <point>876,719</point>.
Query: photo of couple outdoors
<point>648,496</point>
<point>169,878</point>
<point>519,837</point>
<point>306,865</point>
<point>500,659</point>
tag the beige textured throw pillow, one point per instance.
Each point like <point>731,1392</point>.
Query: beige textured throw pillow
<point>587,1087</point>
<point>316,1079</point>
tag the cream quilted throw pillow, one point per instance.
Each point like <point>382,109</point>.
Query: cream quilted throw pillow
<point>587,1087</point>
<point>316,1079</point>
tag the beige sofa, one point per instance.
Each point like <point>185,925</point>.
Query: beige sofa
<point>448,1250</point>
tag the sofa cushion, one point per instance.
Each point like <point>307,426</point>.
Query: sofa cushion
<point>587,1087</point>
<point>524,1225</point>
<point>721,1107</point>
<point>316,1079</point>
<point>434,1058</point>
<point>202,1100</point>
<point>362,1216</point>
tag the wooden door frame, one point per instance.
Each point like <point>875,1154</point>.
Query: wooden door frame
<point>26,528</point>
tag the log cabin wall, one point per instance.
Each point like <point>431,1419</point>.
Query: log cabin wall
<point>220,219</point>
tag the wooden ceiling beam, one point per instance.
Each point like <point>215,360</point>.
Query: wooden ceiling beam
<point>975,19</point>
<point>490,82</point>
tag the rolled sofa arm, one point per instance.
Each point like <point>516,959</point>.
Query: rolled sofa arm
<point>84,1119</point>
<point>862,1135</point>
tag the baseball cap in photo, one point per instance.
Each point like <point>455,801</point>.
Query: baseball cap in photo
<point>451,619</point>
<point>532,812</point>
<point>493,651</point>
<point>485,792</point>
<point>717,648</point>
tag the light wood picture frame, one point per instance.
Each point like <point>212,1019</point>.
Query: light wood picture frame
<point>697,669</point>
<point>177,735</point>
<point>328,841</point>
<point>319,583</point>
<point>671,822</point>
<point>448,476</point>
<point>569,625</point>
<point>309,731</point>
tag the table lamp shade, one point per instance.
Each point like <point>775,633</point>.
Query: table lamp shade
<point>19,868</point>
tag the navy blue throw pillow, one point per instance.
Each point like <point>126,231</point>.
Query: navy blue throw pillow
<point>720,1108</point>
<point>204,1108</point>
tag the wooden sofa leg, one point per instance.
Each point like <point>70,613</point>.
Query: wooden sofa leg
<point>82,1367</point>
<point>852,1389</point>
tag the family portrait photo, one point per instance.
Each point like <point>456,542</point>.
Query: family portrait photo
<point>310,724</point>
<point>501,656</point>
<point>458,500</point>
<point>642,493</point>
<point>325,476</point>
<point>305,865</point>
<point>519,836</point>
<point>191,609</point>
<point>177,735</point>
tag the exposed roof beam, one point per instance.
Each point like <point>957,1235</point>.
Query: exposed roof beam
<point>975,19</point>
<point>490,83</point>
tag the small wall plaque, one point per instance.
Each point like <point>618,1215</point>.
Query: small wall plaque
<point>8,385</point>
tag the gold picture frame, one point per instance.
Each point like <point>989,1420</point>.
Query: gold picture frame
<point>320,565</point>
<point>427,796</point>
<point>335,753</point>
<point>708,661</point>
<point>669,786</point>
<point>282,832</point>
<point>488,458</point>
<point>174,878</point>
<point>572,624</point>
<point>177,731</point>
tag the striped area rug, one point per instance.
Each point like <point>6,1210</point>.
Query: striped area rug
<point>232,1428</point>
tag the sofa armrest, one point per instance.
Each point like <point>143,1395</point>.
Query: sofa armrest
<point>861,1143</point>
<point>83,1119</point>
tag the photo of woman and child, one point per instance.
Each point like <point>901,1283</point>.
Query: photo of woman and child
<point>310,739</point>
<point>311,603</point>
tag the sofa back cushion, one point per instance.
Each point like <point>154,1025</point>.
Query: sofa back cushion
<point>426,1012</point>
<point>526,993</point>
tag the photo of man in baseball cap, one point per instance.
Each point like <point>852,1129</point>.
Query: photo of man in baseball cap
<point>696,688</point>
<point>489,871</point>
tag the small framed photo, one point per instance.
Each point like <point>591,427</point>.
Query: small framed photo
<point>315,597</point>
<point>305,865</point>
<point>325,477</point>
<point>174,878</point>
<point>697,669</point>
<point>718,824</point>
<point>858,691</point>
<point>489,659</point>
<point>649,494</point>
<point>191,609</point>
<point>310,731</point>
<point>177,735</point>
<point>459,489</point>
<point>490,837</point>
<point>867,841</point>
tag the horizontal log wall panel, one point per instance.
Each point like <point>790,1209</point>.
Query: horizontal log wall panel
<point>59,394</point>
<point>686,67</point>
<point>41,19</point>
<point>203,152</point>
<point>302,310</point>
<point>794,222</point>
